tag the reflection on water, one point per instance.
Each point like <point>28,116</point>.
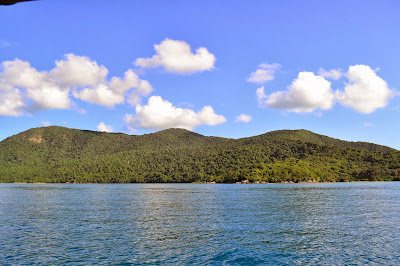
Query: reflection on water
<point>351,223</point>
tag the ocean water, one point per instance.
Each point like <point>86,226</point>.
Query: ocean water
<point>140,224</point>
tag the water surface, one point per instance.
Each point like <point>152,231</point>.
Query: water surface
<point>346,223</point>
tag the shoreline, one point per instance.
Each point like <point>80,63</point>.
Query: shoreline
<point>200,183</point>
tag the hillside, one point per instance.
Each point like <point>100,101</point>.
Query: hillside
<point>57,154</point>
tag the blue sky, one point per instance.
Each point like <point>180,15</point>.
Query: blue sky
<point>221,68</point>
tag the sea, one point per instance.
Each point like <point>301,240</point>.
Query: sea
<point>200,224</point>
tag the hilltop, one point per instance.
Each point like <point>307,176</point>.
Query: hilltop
<point>58,154</point>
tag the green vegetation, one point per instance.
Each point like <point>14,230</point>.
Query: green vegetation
<point>57,154</point>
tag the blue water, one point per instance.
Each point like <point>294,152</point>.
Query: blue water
<point>346,223</point>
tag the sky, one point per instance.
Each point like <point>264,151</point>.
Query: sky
<point>219,68</point>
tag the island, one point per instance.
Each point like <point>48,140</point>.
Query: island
<point>62,155</point>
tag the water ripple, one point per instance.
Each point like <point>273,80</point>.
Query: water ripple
<point>141,224</point>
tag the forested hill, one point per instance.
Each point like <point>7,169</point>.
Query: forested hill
<point>58,154</point>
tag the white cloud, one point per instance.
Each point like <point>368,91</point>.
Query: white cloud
<point>78,71</point>
<point>11,103</point>
<point>142,89</point>
<point>37,86</point>
<point>25,89</point>
<point>264,73</point>
<point>104,128</point>
<point>112,93</point>
<point>102,95</point>
<point>261,96</point>
<point>49,97</point>
<point>331,74</point>
<point>161,114</point>
<point>243,118</point>
<point>45,123</point>
<point>306,93</point>
<point>366,91</point>
<point>176,56</point>
<point>19,73</point>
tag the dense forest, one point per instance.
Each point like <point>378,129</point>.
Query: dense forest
<point>59,155</point>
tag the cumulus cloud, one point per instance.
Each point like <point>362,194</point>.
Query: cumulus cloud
<point>331,74</point>
<point>25,89</point>
<point>161,114</point>
<point>79,71</point>
<point>366,91</point>
<point>176,56</point>
<point>114,92</point>
<point>49,97</point>
<point>104,128</point>
<point>11,103</point>
<point>101,94</point>
<point>38,87</point>
<point>243,118</point>
<point>264,73</point>
<point>306,94</point>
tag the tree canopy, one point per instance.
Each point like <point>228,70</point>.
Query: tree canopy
<point>58,154</point>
